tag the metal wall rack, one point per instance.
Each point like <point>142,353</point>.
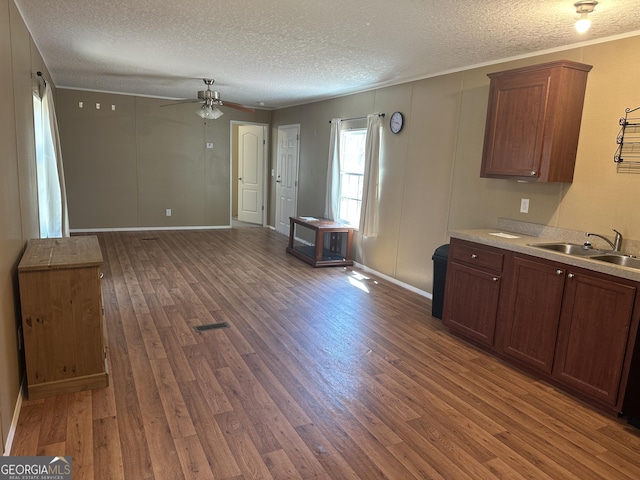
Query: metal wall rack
<point>627,156</point>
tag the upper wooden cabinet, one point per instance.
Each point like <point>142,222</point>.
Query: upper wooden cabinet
<point>533,122</point>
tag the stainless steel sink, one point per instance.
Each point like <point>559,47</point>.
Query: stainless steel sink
<point>622,260</point>
<point>568,248</point>
<point>576,249</point>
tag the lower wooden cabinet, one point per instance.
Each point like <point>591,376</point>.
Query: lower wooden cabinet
<point>476,271</point>
<point>593,335</point>
<point>572,326</point>
<point>62,315</point>
<point>532,312</point>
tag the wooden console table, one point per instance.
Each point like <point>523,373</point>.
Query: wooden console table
<point>337,251</point>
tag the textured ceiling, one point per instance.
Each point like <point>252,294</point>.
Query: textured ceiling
<point>287,52</point>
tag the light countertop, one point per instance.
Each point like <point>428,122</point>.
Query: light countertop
<point>521,244</point>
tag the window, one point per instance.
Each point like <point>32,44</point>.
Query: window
<point>353,175</point>
<point>352,147</point>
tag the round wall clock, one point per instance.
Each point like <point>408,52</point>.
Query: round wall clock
<point>396,123</point>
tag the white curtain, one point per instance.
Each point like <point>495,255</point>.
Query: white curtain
<point>52,198</point>
<point>370,193</point>
<point>332,196</point>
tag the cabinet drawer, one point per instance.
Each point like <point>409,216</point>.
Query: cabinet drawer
<point>476,255</point>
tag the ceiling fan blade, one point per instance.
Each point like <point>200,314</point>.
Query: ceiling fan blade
<point>181,102</point>
<point>237,106</point>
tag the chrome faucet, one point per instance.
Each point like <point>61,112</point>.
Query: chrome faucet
<point>617,241</point>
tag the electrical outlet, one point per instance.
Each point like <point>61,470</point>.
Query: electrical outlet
<point>524,205</point>
<point>168,212</point>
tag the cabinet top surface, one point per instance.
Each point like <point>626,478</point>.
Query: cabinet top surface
<point>57,253</point>
<point>320,223</point>
<point>544,66</point>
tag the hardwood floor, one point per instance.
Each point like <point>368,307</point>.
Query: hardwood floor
<point>320,374</point>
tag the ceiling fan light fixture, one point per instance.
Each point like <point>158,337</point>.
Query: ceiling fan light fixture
<point>209,112</point>
<point>584,7</point>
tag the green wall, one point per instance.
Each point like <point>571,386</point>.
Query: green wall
<point>133,158</point>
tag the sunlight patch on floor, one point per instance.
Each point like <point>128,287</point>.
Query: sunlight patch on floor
<point>358,280</point>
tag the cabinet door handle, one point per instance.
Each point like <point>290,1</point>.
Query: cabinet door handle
<point>533,173</point>
<point>495,279</point>
<point>559,272</point>
<point>473,255</point>
<point>571,275</point>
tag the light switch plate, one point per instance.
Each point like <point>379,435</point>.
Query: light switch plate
<point>524,205</point>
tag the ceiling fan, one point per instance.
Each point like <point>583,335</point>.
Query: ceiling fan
<point>210,100</point>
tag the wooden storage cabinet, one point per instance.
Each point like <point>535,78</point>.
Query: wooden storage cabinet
<point>574,327</point>
<point>334,252</point>
<point>569,323</point>
<point>594,331</point>
<point>475,270</point>
<point>62,315</point>
<point>530,318</point>
<point>533,122</point>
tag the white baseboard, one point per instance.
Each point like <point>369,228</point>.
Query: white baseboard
<point>395,281</point>
<point>14,424</point>
<point>389,279</point>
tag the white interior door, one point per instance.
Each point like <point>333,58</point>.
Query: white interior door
<point>250,173</point>
<point>287,176</point>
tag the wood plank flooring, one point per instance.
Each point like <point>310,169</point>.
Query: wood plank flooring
<point>321,374</point>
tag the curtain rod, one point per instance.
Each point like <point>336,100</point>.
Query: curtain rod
<point>359,118</point>
<point>39,74</point>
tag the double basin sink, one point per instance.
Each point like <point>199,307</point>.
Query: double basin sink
<point>577,250</point>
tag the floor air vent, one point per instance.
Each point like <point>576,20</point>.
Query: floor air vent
<point>211,326</point>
